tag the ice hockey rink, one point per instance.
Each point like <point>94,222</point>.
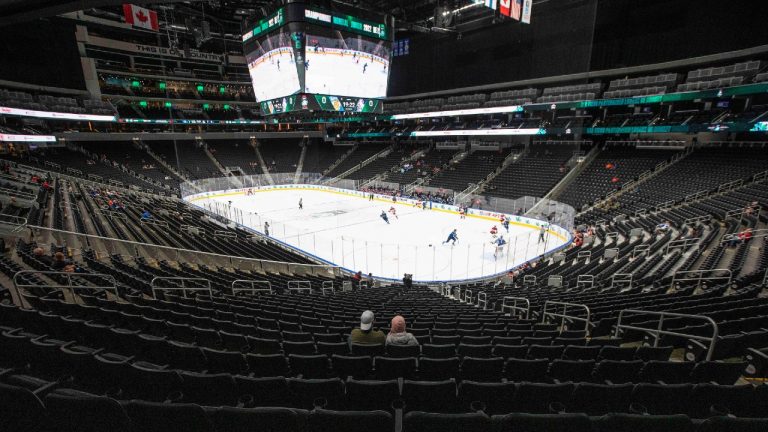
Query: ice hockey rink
<point>347,230</point>
<point>340,72</point>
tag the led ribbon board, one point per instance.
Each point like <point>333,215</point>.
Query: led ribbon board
<point>27,138</point>
<point>266,25</point>
<point>451,113</point>
<point>54,115</point>
<point>349,23</point>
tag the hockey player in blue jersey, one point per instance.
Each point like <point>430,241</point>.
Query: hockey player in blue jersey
<point>452,237</point>
<point>505,224</point>
<point>499,242</point>
<point>383,215</point>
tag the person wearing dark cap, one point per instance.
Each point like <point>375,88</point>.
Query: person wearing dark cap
<point>366,334</point>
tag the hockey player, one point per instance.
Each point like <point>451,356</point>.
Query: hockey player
<point>494,231</point>
<point>452,237</point>
<point>542,233</point>
<point>393,212</point>
<point>499,242</point>
<point>383,215</point>
<point>505,224</point>
<point>462,213</point>
<point>301,204</point>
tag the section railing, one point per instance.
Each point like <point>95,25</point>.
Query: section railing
<point>659,330</point>
<point>555,309</point>
<point>182,284</point>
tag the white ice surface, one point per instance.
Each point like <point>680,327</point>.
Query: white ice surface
<point>347,231</point>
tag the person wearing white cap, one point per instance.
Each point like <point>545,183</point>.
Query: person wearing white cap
<point>365,334</point>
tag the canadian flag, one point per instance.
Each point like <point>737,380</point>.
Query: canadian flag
<point>140,17</point>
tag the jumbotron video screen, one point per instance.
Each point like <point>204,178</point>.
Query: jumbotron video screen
<point>345,64</point>
<point>272,66</point>
<point>314,60</point>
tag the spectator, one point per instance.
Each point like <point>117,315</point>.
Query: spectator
<point>145,215</point>
<point>40,255</point>
<point>397,334</point>
<point>59,262</point>
<point>356,278</point>
<point>365,334</point>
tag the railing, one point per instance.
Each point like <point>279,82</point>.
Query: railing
<point>765,278</point>
<point>698,276</point>
<point>680,244</point>
<point>639,250</point>
<point>525,311</point>
<point>586,255</point>
<point>585,281</point>
<point>10,224</point>
<point>482,298</point>
<point>659,330</point>
<point>72,281</point>
<point>466,296</point>
<point>187,285</point>
<point>623,280</point>
<point>328,288</point>
<point>251,286</point>
<point>551,311</point>
<point>697,219</point>
<point>529,280</point>
<point>299,286</point>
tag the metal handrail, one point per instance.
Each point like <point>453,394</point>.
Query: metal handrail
<point>482,297</point>
<point>555,281</point>
<point>529,280</point>
<point>514,306</point>
<point>328,287</point>
<point>681,244</point>
<point>468,297</point>
<point>622,278</point>
<point>17,223</point>
<point>546,314</point>
<point>183,288</point>
<point>701,276</point>
<point>69,282</point>
<point>658,331</point>
<point>585,281</point>
<point>643,249</point>
<point>765,278</point>
<point>299,286</point>
<point>253,286</point>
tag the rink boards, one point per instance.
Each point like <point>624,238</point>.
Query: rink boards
<point>343,228</point>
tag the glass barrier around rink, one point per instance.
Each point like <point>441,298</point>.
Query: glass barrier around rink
<point>543,209</point>
<point>469,259</point>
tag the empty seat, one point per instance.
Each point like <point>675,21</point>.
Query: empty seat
<point>609,352</point>
<point>661,399</point>
<point>571,370</point>
<point>510,351</point>
<point>666,371</point>
<point>519,370</point>
<point>321,420</point>
<point>263,392</point>
<point>371,395</point>
<point>545,352</point>
<point>718,372</point>
<point>371,350</point>
<point>478,351</point>
<point>635,423</point>
<point>258,419</point>
<point>432,422</point>
<point>309,366</point>
<point>438,369</point>
<point>74,411</point>
<point>572,352</point>
<point>267,365</point>
<point>225,361</point>
<point>542,398</point>
<point>495,397</point>
<point>708,399</point>
<point>358,367</point>
<point>161,417</point>
<point>618,372</point>
<point>599,399</point>
<point>430,396</point>
<point>542,422</point>
<point>648,353</point>
<point>307,393</point>
<point>482,369</point>
<point>393,368</point>
<point>438,351</point>
<point>400,351</point>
